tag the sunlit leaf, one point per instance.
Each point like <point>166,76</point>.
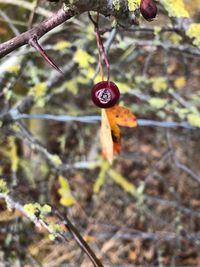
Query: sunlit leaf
<point>64,191</point>
<point>194,119</point>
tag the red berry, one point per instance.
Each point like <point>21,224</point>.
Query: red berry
<point>148,9</point>
<point>105,94</point>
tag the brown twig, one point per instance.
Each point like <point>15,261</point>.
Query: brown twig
<point>81,242</point>
<point>37,32</point>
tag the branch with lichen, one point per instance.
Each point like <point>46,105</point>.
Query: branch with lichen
<point>67,11</point>
<point>125,12</point>
<point>39,215</point>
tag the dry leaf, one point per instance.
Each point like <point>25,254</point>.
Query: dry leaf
<point>110,131</point>
<point>121,116</point>
<point>106,137</point>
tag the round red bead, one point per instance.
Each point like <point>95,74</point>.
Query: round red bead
<point>148,9</point>
<point>105,94</point>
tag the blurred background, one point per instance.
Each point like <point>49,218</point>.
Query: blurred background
<point>144,210</point>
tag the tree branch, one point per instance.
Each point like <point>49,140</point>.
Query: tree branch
<point>37,32</point>
<point>43,223</point>
<point>66,12</point>
<point>123,16</point>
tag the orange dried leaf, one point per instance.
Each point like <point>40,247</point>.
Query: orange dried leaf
<point>89,238</point>
<point>110,131</point>
<point>121,116</point>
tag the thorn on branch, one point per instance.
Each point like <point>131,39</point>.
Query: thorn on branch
<point>34,43</point>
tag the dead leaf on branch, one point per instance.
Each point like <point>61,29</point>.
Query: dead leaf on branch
<point>110,135</point>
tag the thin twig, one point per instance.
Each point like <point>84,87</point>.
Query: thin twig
<point>37,32</point>
<point>30,22</point>
<point>10,23</point>
<point>179,165</point>
<point>192,51</point>
<point>81,242</point>
<point>28,6</point>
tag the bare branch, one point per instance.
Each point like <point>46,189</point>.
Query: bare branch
<point>190,50</point>
<point>79,7</point>
<point>42,223</point>
<point>37,32</point>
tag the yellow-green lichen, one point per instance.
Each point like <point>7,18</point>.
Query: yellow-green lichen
<point>159,84</point>
<point>194,119</point>
<point>116,4</point>
<point>12,153</point>
<point>14,69</point>
<point>39,92</point>
<point>35,209</point>
<point>3,187</point>
<point>55,230</point>
<point>55,159</point>
<point>175,8</point>
<point>157,103</point>
<point>133,4</point>
<point>194,32</point>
